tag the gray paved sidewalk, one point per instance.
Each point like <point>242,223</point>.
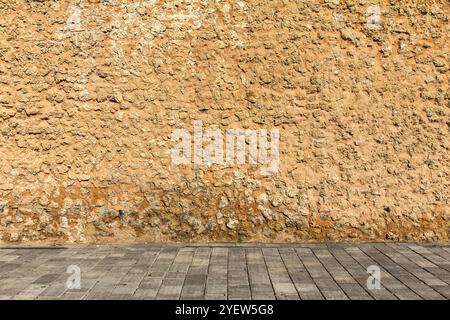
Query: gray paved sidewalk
<point>229,271</point>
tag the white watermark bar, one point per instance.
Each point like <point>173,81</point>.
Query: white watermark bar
<point>229,147</point>
<point>373,17</point>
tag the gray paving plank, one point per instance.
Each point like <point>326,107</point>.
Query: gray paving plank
<point>301,278</point>
<point>324,281</point>
<point>341,276</point>
<point>410,266</point>
<point>228,271</point>
<point>402,275</point>
<point>238,281</point>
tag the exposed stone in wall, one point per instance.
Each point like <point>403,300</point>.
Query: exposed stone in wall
<point>90,92</point>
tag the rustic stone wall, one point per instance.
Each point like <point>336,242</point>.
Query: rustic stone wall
<point>91,90</point>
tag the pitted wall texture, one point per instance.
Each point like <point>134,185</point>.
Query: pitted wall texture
<point>90,92</point>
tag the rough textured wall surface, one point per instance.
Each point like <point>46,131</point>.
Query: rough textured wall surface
<point>90,92</point>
